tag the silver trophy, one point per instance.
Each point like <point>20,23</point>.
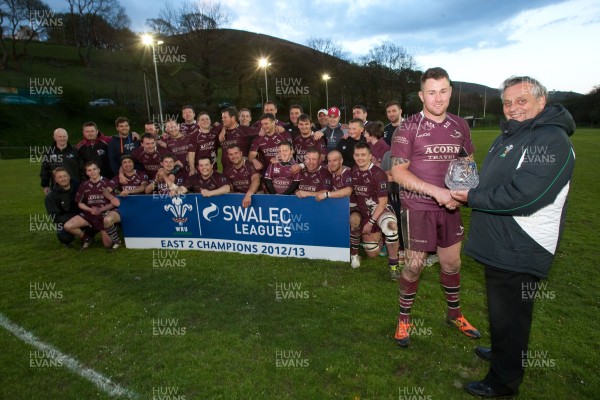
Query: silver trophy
<point>462,173</point>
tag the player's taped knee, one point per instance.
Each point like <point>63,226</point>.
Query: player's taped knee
<point>391,235</point>
<point>370,246</point>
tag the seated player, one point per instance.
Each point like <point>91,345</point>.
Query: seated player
<point>374,215</point>
<point>242,175</point>
<point>315,178</point>
<point>61,204</point>
<point>207,181</point>
<point>136,182</point>
<point>168,178</point>
<point>94,207</point>
<point>279,177</point>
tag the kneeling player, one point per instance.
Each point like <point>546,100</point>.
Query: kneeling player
<point>168,178</point>
<point>207,181</point>
<point>94,206</point>
<point>374,216</point>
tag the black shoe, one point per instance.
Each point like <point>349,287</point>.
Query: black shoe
<point>485,353</point>
<point>481,389</point>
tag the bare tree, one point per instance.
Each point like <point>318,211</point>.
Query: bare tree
<point>21,24</point>
<point>328,46</point>
<point>198,23</point>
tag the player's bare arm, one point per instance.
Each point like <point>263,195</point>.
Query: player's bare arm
<point>410,182</point>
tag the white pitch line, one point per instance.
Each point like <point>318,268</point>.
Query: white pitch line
<point>104,383</point>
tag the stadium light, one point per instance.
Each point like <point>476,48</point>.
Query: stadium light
<point>326,78</point>
<point>264,63</point>
<point>148,40</point>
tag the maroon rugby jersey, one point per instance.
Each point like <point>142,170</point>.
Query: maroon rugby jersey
<point>378,150</point>
<point>179,147</point>
<point>430,146</point>
<point>163,188</point>
<point>240,178</point>
<point>205,145</point>
<point>281,175</point>
<point>240,135</point>
<point>133,182</point>
<point>301,144</point>
<point>91,194</point>
<point>267,145</point>
<point>189,129</point>
<point>150,161</point>
<point>344,180</point>
<point>368,186</point>
<point>315,181</point>
<point>196,182</point>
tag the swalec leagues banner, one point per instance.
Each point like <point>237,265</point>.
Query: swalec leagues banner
<point>284,226</point>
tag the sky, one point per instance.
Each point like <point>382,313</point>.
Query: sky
<point>484,41</point>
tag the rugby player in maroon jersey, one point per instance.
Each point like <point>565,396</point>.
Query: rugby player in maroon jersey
<point>93,206</point>
<point>269,107</point>
<point>315,178</point>
<point>306,139</point>
<point>136,184</point>
<point>204,143</point>
<point>207,181</point>
<point>422,150</point>
<point>189,126</point>
<point>242,175</point>
<point>341,179</point>
<point>178,144</point>
<point>374,216</point>
<point>148,155</point>
<point>280,177</point>
<point>265,148</point>
<point>233,133</point>
<point>168,178</point>
<point>374,137</point>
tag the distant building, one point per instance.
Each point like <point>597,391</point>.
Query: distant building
<point>25,33</point>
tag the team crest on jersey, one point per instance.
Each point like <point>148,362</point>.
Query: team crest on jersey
<point>456,134</point>
<point>178,209</point>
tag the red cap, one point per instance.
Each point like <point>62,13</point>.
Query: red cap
<point>334,111</point>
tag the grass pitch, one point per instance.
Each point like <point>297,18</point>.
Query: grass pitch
<point>207,325</point>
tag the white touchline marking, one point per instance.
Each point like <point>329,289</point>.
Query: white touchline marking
<point>104,383</point>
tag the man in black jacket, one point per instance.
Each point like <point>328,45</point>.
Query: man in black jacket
<point>518,215</point>
<point>60,154</point>
<point>61,204</point>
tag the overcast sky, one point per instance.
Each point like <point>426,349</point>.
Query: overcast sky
<point>482,41</point>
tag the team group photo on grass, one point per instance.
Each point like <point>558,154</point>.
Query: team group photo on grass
<point>372,242</point>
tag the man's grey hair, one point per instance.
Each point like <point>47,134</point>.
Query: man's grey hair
<point>538,90</point>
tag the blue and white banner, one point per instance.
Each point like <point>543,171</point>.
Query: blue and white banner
<point>284,226</point>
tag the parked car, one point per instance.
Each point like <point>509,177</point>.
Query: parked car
<point>102,103</point>
<point>16,99</point>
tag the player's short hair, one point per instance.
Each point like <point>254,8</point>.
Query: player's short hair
<point>375,129</point>
<point>358,121</point>
<point>168,155</point>
<point>150,123</point>
<point>188,107</point>
<point>245,109</point>
<point>203,158</point>
<point>201,113</point>
<point>335,153</point>
<point>436,73</point>
<point>360,107</point>
<point>127,157</point>
<point>312,149</point>
<point>538,90</point>
<point>234,146</point>
<point>298,106</point>
<point>269,102</point>
<point>90,123</point>
<point>59,169</point>
<point>267,116</point>
<point>362,145</point>
<point>286,143</point>
<point>147,136</point>
<point>121,120</point>
<point>90,163</point>
<point>304,118</point>
<point>232,112</point>
<point>392,103</point>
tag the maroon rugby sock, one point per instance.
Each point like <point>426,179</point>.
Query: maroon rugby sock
<point>451,284</point>
<point>408,291</point>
